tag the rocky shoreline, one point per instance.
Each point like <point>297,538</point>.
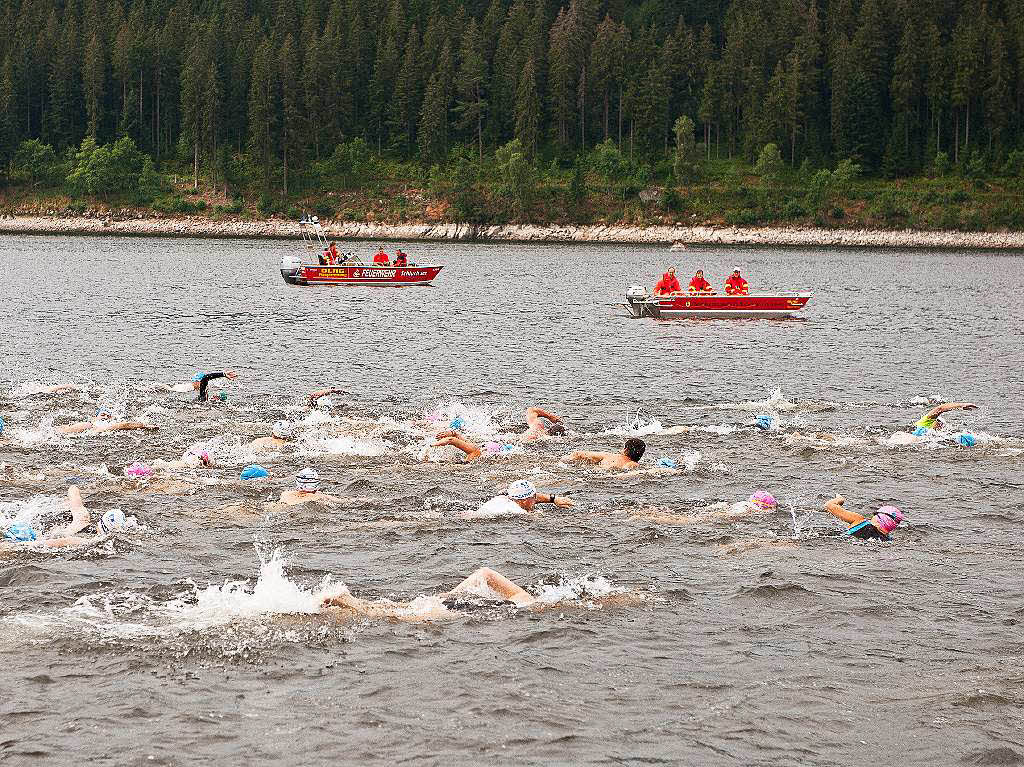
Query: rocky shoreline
<point>275,228</point>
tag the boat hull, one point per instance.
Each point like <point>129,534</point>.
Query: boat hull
<point>360,274</point>
<point>690,306</point>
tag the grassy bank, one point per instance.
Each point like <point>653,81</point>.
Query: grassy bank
<point>725,193</point>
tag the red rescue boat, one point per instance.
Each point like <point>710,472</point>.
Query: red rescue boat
<point>704,305</point>
<point>349,269</point>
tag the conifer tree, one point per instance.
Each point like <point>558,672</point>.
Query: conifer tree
<point>528,110</point>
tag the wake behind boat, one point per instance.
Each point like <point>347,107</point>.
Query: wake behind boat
<point>325,266</point>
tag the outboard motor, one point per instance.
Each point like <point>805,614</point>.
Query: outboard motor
<point>636,301</point>
<point>291,267</point>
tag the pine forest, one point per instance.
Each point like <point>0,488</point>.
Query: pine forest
<point>838,112</point>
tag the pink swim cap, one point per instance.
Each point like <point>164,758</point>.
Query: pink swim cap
<point>492,447</point>
<point>889,518</point>
<point>138,470</point>
<point>763,500</point>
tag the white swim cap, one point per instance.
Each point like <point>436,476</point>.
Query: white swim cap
<point>115,520</point>
<point>283,429</point>
<point>521,490</point>
<point>307,480</point>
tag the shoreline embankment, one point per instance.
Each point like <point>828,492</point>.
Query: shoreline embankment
<point>276,228</point>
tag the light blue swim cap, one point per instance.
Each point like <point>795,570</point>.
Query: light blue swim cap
<point>20,532</point>
<point>2,424</point>
<point>920,431</point>
<point>765,422</point>
<point>457,422</point>
<point>197,377</point>
<point>254,472</point>
<point>666,463</point>
<point>966,440</point>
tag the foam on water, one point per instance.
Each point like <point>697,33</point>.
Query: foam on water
<point>128,614</point>
<point>576,588</point>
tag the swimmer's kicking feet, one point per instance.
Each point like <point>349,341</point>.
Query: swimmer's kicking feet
<point>629,458</point>
<point>881,524</point>
<point>104,421</point>
<point>540,423</point>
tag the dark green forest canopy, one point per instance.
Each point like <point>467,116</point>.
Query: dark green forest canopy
<point>278,84</point>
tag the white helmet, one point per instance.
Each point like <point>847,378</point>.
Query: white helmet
<point>521,490</point>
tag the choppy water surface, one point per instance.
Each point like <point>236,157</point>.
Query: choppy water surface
<point>672,633</point>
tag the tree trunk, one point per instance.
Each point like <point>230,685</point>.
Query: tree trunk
<point>606,114</point>
<point>967,131</point>
<point>620,116</point>
<point>956,142</point>
<point>286,171</point>
<point>195,165</point>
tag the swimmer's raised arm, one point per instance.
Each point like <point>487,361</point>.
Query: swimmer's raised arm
<point>204,382</point>
<point>497,583</point>
<point>323,393</point>
<point>79,514</point>
<point>533,413</point>
<point>456,440</point>
<point>835,508</point>
<point>935,412</point>
<point>75,428</point>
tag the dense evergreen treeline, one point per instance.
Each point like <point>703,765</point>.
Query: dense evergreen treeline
<point>277,85</point>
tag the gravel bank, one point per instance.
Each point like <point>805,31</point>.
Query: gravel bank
<point>697,235</point>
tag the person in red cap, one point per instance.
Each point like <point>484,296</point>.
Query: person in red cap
<point>668,283</point>
<point>381,257</point>
<point>699,285</point>
<point>735,285</point>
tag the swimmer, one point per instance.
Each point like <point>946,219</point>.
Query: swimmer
<point>483,580</point>
<point>315,397</point>
<point>281,435</point>
<point>62,536</point>
<point>200,382</point>
<point>456,440</point>
<point>522,497</point>
<point>104,421</point>
<point>881,524</point>
<point>307,489</point>
<point>932,420</point>
<point>196,457</point>
<point>629,458</point>
<point>541,423</point>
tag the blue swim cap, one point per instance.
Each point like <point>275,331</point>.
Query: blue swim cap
<point>765,422</point>
<point>457,422</point>
<point>222,396</point>
<point>2,424</point>
<point>21,532</point>
<point>920,431</point>
<point>967,440</point>
<point>666,463</point>
<point>197,377</point>
<point>254,472</point>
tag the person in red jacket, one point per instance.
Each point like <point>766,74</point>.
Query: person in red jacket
<point>699,285</point>
<point>735,285</point>
<point>668,283</point>
<point>401,259</point>
<point>381,257</point>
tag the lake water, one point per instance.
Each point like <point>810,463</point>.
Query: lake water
<point>674,632</point>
